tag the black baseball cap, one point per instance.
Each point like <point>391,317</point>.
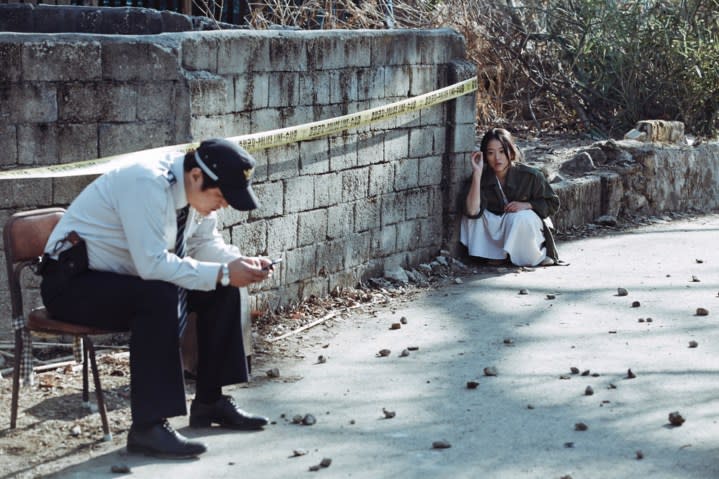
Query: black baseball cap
<point>232,167</point>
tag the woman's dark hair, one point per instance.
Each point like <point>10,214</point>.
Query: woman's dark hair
<point>190,162</point>
<point>505,138</point>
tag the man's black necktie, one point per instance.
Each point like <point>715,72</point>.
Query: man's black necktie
<point>180,252</point>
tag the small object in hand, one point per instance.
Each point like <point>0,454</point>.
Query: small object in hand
<point>702,312</point>
<point>388,414</point>
<point>441,445</point>
<point>676,419</point>
<point>622,292</point>
<point>693,344</point>
<point>472,384</point>
<point>630,374</point>
<point>580,426</point>
<point>383,352</point>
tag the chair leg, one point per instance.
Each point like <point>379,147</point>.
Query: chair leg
<point>90,348</point>
<point>19,350</point>
<point>85,386</point>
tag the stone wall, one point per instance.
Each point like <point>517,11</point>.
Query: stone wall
<point>338,208</point>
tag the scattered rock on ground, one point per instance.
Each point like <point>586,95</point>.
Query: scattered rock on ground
<point>695,279</point>
<point>630,374</point>
<point>404,353</point>
<point>574,370</point>
<point>588,391</point>
<point>490,371</point>
<point>273,373</point>
<point>441,444</point>
<point>524,291</point>
<point>321,359</point>
<point>299,452</point>
<point>635,304</point>
<point>702,312</point>
<point>622,292</point>
<point>309,420</point>
<point>472,384</point>
<point>551,296</point>
<point>580,426</point>
<point>693,344</point>
<point>120,469</point>
<point>676,419</point>
<point>403,320</point>
<point>388,414</point>
<point>383,353</point>
<point>639,455</point>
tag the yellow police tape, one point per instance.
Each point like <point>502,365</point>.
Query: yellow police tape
<point>258,141</point>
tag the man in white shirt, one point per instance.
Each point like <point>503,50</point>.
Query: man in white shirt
<point>132,270</point>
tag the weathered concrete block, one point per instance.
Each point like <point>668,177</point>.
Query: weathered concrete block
<point>299,194</point>
<point>314,88</point>
<point>251,238</point>
<point>422,142</point>
<point>424,79</point>
<point>344,279</point>
<point>463,139</point>
<point>300,264</point>
<point>39,142</point>
<point>283,161</point>
<point>242,52</point>
<point>28,102</point>
<point>328,190</point>
<point>431,232</point>
<point>433,116</point>
<point>287,53</point>
<point>314,287</point>
<point>330,256</point>
<point>25,193</point>
<point>284,90</point>
<point>397,82</point>
<point>354,184</point>
<point>8,145</point>
<point>133,60</point>
<point>381,179</point>
<point>384,241</point>
<point>229,217</point>
<point>312,227</point>
<point>314,157</point>
<point>61,60</point>
<point>396,145</point>
<point>370,149</point>
<point>210,94</point>
<point>282,234</point>
<point>370,84</point>
<point>10,59</point>
<point>340,220</point>
<point>157,100</point>
<point>175,22</point>
<point>368,214</point>
<point>585,196</point>
<point>408,235</point>
<point>343,152</point>
<point>343,86</point>
<point>406,174</point>
<point>385,50</point>
<point>116,138</point>
<point>393,208</point>
<point>265,119</point>
<point>417,203</point>
<point>440,46</point>
<point>465,109</point>
<point>199,52</point>
<point>271,196</point>
<point>18,17</point>
<point>430,171</point>
<point>65,190</point>
<point>357,247</point>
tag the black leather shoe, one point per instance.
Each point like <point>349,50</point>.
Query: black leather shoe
<point>224,412</point>
<point>161,440</point>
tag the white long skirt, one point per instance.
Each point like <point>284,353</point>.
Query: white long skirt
<point>518,235</point>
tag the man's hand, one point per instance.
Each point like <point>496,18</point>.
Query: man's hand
<point>245,271</point>
<point>515,206</point>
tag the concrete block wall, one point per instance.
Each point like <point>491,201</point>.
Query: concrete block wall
<point>338,208</point>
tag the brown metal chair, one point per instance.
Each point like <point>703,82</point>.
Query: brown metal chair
<point>25,236</point>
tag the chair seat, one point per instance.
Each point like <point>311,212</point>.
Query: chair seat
<point>39,320</point>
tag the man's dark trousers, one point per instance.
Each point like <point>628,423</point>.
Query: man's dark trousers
<point>148,308</point>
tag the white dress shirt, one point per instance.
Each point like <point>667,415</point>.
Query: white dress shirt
<point>128,218</point>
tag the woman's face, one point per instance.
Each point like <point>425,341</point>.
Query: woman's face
<point>496,157</point>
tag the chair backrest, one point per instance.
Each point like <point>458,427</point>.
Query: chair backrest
<point>24,238</point>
